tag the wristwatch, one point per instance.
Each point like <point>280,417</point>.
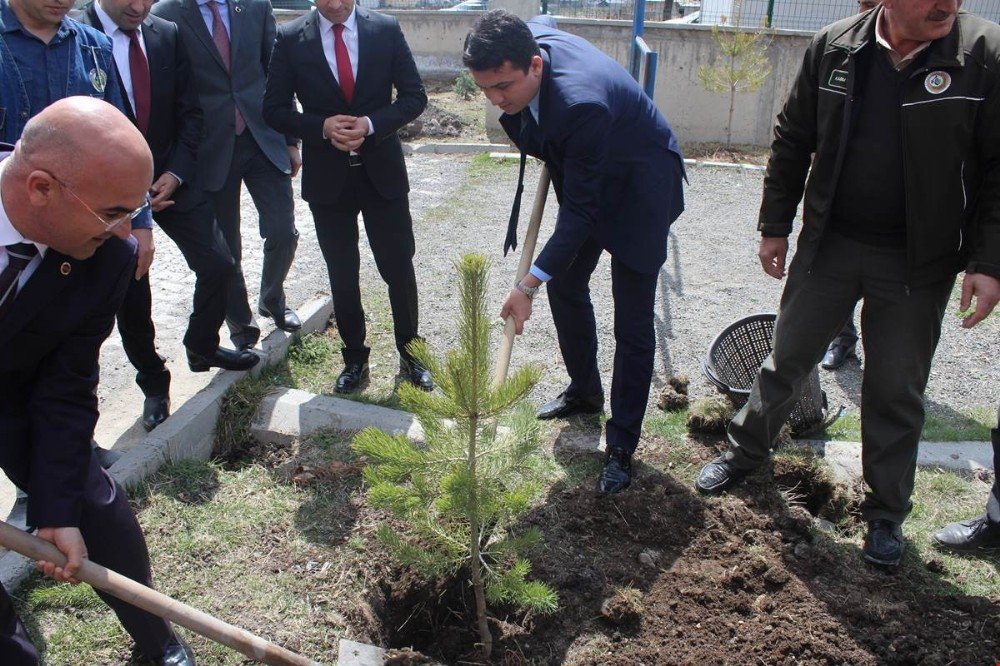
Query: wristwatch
<point>526,290</point>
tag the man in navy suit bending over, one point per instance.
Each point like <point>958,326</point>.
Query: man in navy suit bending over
<point>617,172</point>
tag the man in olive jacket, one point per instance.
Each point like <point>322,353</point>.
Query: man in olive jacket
<point>897,111</point>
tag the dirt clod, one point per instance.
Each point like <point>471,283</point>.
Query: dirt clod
<point>710,415</point>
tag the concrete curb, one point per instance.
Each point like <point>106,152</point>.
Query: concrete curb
<point>288,414</point>
<point>189,431</point>
<point>453,148</point>
<point>505,151</point>
<point>352,653</point>
<point>844,458</point>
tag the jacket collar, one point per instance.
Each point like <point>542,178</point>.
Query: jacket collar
<point>944,52</point>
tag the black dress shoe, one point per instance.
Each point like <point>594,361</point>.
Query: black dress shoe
<point>975,534</point>
<point>837,353</point>
<point>226,359</point>
<point>287,321</point>
<point>617,473</point>
<point>351,378</point>
<point>718,475</point>
<point>883,543</point>
<point>568,405</point>
<point>417,375</point>
<point>177,653</point>
<point>155,410</point>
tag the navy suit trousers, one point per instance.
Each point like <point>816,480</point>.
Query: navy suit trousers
<point>634,296</point>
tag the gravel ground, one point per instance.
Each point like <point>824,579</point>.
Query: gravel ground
<point>711,278</point>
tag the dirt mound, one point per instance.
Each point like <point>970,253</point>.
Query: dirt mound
<point>434,122</point>
<point>659,575</point>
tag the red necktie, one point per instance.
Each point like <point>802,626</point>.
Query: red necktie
<point>138,67</point>
<point>221,39</point>
<point>345,75</point>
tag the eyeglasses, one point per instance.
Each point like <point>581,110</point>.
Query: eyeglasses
<point>109,225</point>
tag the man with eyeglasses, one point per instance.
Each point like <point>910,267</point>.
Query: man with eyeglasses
<point>49,56</point>
<point>68,193</point>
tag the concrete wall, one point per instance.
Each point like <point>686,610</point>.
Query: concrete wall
<point>436,40</point>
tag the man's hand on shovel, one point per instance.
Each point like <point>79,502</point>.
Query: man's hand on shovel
<point>70,543</point>
<point>518,305</point>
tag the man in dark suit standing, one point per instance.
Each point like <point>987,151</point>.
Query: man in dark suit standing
<point>158,89</point>
<point>77,177</point>
<point>617,172</point>
<point>229,43</point>
<point>353,159</point>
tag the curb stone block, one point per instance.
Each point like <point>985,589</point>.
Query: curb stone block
<point>288,414</point>
<point>352,653</point>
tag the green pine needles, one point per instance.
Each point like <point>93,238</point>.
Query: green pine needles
<point>462,493</point>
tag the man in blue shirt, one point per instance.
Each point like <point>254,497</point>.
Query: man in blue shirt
<point>46,56</point>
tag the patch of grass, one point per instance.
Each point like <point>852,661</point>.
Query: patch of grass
<point>972,425</point>
<point>482,166</point>
<point>243,554</point>
<point>939,498</point>
<point>240,404</point>
<point>671,426</point>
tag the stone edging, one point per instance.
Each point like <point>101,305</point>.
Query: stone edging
<point>188,433</point>
<point>503,151</point>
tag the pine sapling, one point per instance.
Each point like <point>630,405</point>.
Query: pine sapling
<point>461,493</point>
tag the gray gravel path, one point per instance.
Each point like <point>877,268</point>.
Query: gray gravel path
<point>711,278</point>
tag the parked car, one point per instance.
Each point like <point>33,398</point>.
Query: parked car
<point>469,6</point>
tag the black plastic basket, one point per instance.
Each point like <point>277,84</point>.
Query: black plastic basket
<point>735,357</point>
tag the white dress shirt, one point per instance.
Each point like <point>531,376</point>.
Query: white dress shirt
<point>120,44</point>
<point>350,41</point>
<point>9,235</point>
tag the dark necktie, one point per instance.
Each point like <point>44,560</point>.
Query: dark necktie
<point>19,255</point>
<point>510,242</point>
<point>345,74</point>
<point>139,69</point>
<point>221,39</point>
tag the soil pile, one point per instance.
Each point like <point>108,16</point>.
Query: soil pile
<point>659,575</point>
<point>434,122</point>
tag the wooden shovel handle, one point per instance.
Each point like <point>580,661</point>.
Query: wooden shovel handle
<point>527,256</point>
<point>154,602</point>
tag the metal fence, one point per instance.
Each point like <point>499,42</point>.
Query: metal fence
<point>781,14</point>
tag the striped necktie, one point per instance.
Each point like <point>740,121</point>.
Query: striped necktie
<point>19,255</point>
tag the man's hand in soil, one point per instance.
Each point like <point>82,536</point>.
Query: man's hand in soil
<point>346,133</point>
<point>986,290</point>
<point>70,543</point>
<point>772,253</point>
<point>517,305</point>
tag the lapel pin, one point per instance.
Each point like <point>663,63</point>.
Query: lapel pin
<point>65,268</point>
<point>237,7</point>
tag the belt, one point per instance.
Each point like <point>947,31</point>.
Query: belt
<point>354,160</point>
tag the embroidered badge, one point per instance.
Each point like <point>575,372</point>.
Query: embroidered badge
<point>838,79</point>
<point>937,82</point>
<point>98,79</point>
